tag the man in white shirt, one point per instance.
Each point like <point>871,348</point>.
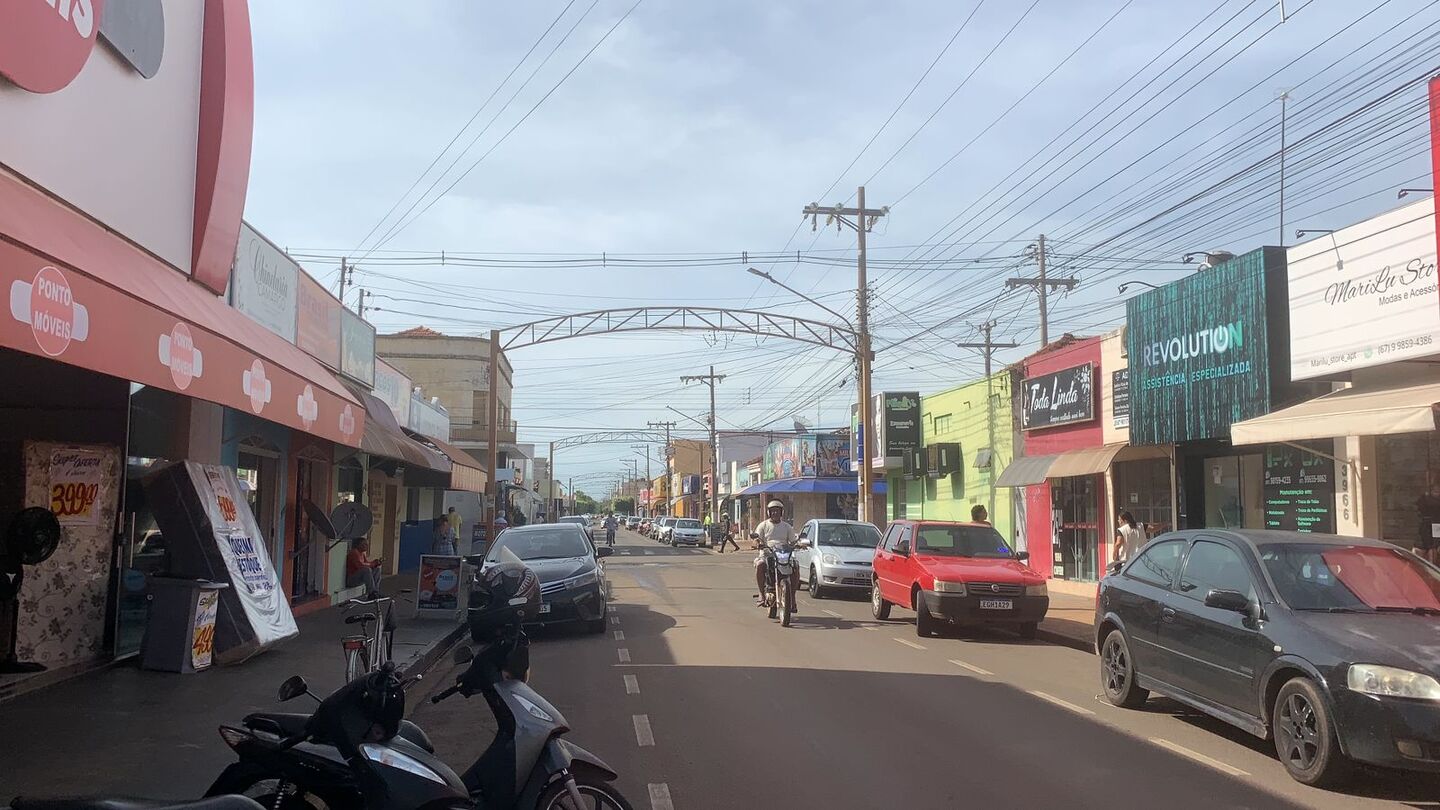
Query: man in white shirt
<point>772,531</point>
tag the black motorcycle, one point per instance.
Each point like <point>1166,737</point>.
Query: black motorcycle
<point>355,751</point>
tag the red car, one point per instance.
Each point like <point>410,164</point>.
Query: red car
<point>960,573</point>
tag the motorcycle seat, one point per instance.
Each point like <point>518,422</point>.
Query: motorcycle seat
<point>360,617</point>
<point>99,803</point>
<point>281,724</point>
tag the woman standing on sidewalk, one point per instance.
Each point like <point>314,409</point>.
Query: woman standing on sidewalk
<point>1129,537</point>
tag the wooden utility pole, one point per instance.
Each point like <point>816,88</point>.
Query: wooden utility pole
<point>988,348</point>
<point>1042,285</point>
<point>492,404</point>
<point>863,220</point>
<point>666,426</point>
<point>710,380</point>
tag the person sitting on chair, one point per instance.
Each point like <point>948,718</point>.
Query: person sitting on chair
<point>361,570</point>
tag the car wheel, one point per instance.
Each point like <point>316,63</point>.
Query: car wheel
<point>1028,630</point>
<point>1117,673</point>
<point>1305,737</point>
<point>926,625</point>
<point>879,608</point>
<point>816,591</point>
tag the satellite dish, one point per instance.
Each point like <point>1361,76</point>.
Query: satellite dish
<point>33,535</point>
<point>319,519</point>
<point>351,520</point>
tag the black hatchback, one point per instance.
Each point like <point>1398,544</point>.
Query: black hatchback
<point>1328,645</point>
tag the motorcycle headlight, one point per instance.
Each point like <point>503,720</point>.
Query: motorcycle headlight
<point>394,759</point>
<point>584,579</point>
<point>1373,679</point>
<point>830,559</point>
<point>941,586</point>
<point>1037,590</point>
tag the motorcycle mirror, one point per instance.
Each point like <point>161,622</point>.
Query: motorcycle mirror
<point>293,687</point>
<point>463,654</point>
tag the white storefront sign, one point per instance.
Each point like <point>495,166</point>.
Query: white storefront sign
<point>1365,295</point>
<point>394,389</point>
<point>264,283</point>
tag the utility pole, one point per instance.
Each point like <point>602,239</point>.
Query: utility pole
<point>344,277</point>
<point>1284,100</point>
<point>988,348</point>
<point>1042,285</point>
<point>710,380</point>
<point>863,220</point>
<point>363,294</point>
<point>492,404</point>
<point>550,510</point>
<point>666,426</point>
<point>648,480</point>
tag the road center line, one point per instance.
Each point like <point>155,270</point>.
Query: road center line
<point>909,643</point>
<point>1198,757</point>
<point>831,613</point>
<point>971,667</point>
<point>632,685</point>
<point>643,735</point>
<point>619,635</point>
<point>660,797</point>
<point>1064,704</point>
<point>624,655</point>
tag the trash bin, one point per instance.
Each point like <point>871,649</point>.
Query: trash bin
<point>180,633</point>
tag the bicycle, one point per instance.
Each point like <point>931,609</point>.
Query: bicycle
<point>369,651</point>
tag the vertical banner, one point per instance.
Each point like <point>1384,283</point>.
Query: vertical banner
<point>202,638</point>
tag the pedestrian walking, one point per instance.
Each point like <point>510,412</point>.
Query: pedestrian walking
<point>444,539</point>
<point>1129,537</point>
<point>727,534</point>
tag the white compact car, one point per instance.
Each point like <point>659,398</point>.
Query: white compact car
<point>839,557</point>
<point>687,531</point>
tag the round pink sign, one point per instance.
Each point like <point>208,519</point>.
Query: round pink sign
<point>52,311</point>
<point>44,44</point>
<point>182,356</point>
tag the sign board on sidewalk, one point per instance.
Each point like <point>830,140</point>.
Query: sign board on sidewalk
<point>439,587</point>
<point>202,644</point>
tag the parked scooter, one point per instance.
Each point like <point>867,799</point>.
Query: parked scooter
<point>357,751</point>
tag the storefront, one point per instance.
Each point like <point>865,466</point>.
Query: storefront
<point>119,351</point>
<point>810,475</point>
<point>895,417</point>
<point>1364,320</point>
<point>1206,352</point>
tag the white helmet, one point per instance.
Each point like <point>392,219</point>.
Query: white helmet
<point>774,505</point>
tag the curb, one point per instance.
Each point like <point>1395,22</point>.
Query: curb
<point>1081,644</point>
<point>422,663</point>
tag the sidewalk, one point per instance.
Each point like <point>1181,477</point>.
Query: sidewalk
<point>1070,621</point>
<point>125,731</point>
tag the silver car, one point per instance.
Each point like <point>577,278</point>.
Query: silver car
<point>839,557</point>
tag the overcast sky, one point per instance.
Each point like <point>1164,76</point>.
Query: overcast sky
<point>704,127</point>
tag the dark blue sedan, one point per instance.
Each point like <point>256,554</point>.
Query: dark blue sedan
<point>1329,646</point>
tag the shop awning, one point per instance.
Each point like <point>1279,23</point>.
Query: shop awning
<point>1089,461</point>
<point>464,475</point>
<point>1367,411</point>
<point>825,486</point>
<point>1025,471</point>
<point>383,437</point>
<point>82,295</point>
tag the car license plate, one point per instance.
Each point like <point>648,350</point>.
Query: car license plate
<point>990,604</point>
<point>544,607</point>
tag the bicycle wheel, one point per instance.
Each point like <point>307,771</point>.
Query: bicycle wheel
<point>357,662</point>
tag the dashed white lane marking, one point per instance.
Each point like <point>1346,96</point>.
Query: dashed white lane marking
<point>649,551</point>
<point>619,635</point>
<point>643,735</point>
<point>909,643</point>
<point>831,613</point>
<point>624,655</point>
<point>614,619</point>
<point>1198,757</point>
<point>1064,704</point>
<point>660,797</point>
<point>632,685</point>
<point>611,609</point>
<point>971,667</point>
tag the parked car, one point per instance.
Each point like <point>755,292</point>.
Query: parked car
<point>687,531</point>
<point>632,523</point>
<point>662,531</point>
<point>1324,644</point>
<point>840,557</point>
<point>579,520</point>
<point>960,573</point>
<point>573,587</point>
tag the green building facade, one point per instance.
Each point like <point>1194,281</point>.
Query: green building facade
<point>960,416</point>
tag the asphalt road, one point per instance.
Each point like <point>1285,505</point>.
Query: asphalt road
<point>700,701</point>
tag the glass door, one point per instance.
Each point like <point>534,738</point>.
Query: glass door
<point>1075,505</point>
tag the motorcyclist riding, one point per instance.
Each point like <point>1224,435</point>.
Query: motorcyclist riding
<point>611,524</point>
<point>772,531</point>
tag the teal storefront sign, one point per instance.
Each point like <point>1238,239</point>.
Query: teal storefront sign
<point>1199,353</point>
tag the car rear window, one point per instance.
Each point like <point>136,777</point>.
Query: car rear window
<point>687,524</point>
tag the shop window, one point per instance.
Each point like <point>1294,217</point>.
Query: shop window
<point>1074,508</point>
<point>1142,488</point>
<point>1211,566</point>
<point>942,423</point>
<point>1157,565</point>
<point>1234,492</point>
<point>1407,464</point>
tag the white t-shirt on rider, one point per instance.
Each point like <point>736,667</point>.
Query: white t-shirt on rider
<point>772,533</point>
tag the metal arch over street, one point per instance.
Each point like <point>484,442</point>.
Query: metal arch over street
<point>708,319</point>
<point>604,436</point>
